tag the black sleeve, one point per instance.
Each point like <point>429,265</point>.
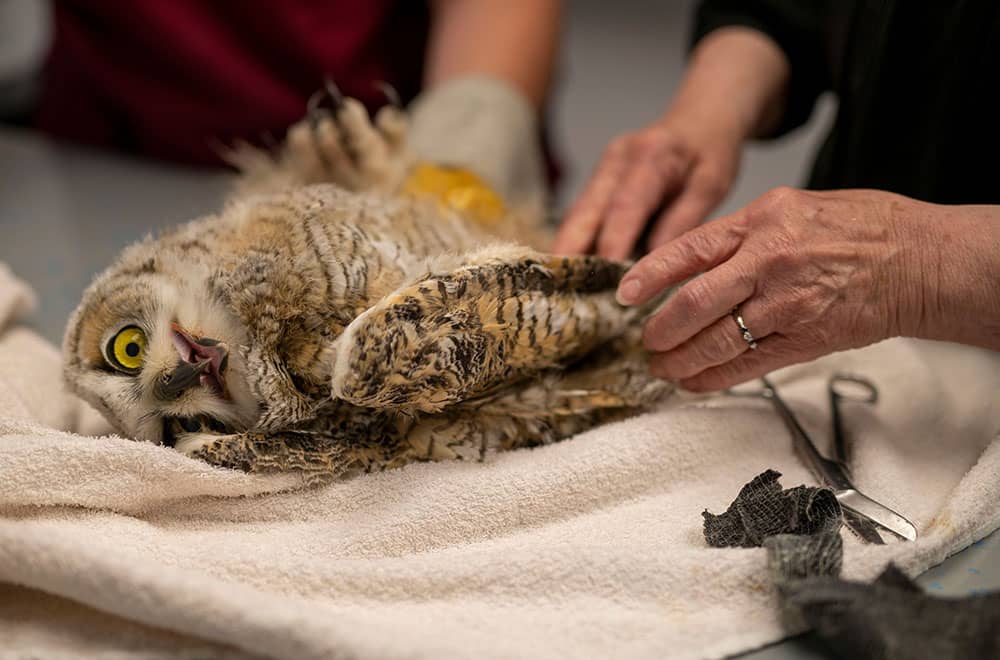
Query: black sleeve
<point>797,27</point>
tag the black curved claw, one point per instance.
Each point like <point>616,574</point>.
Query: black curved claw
<point>315,111</point>
<point>334,93</point>
<point>314,106</point>
<point>390,93</point>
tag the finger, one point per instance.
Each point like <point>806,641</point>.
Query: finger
<point>717,344</point>
<point>649,179</point>
<point>696,305</point>
<point>697,250</point>
<point>702,194</point>
<point>772,353</point>
<point>580,228</point>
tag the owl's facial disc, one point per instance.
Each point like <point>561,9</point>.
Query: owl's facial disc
<point>157,355</point>
<point>202,362</point>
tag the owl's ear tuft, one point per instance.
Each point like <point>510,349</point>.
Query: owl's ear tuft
<point>451,337</point>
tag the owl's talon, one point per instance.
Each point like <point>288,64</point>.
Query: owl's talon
<point>314,106</point>
<point>390,93</point>
<point>317,113</point>
<point>314,112</point>
<point>334,94</point>
<point>318,116</point>
<point>339,141</point>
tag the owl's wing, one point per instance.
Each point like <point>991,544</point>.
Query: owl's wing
<point>611,383</point>
<point>451,337</point>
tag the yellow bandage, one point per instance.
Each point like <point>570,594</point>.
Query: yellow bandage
<point>457,189</point>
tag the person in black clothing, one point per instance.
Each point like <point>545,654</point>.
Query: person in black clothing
<point>899,234</point>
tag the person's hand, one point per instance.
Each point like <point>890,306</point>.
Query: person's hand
<point>681,168</point>
<point>809,272</point>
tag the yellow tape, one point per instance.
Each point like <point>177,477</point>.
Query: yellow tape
<point>457,189</point>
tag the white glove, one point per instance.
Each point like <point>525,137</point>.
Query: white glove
<point>486,126</point>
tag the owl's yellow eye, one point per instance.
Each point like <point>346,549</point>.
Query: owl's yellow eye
<point>127,349</point>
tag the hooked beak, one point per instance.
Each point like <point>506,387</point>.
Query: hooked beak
<point>202,361</point>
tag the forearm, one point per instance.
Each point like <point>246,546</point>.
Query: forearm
<point>514,41</point>
<point>735,84</point>
<point>954,292</point>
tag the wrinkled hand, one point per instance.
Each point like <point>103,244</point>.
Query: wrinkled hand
<point>680,166</point>
<point>811,273</point>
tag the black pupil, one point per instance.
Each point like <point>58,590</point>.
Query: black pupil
<point>132,349</point>
<point>190,424</point>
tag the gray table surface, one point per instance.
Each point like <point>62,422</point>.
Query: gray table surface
<point>65,213</point>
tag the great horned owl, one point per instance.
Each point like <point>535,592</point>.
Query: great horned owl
<point>327,320</point>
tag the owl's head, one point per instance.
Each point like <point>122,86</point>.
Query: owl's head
<point>153,350</point>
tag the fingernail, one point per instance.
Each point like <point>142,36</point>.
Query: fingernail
<point>628,292</point>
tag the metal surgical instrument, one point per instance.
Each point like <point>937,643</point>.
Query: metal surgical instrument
<point>833,473</point>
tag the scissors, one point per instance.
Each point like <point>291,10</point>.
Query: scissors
<point>861,513</point>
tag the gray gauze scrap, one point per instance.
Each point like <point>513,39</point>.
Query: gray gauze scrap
<point>889,619</point>
<point>764,509</point>
<point>892,619</point>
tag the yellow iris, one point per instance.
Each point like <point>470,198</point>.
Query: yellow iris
<point>129,348</point>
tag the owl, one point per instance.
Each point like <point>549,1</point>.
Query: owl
<point>341,314</point>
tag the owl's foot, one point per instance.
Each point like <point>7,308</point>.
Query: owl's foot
<point>340,143</point>
<point>336,143</point>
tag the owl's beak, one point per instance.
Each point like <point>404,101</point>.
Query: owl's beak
<point>202,361</point>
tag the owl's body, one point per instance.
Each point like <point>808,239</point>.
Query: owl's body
<point>328,327</point>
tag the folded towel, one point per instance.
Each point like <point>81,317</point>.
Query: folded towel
<point>591,547</point>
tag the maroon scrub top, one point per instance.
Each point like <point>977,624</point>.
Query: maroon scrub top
<point>177,79</point>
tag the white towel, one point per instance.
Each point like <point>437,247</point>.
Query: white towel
<point>587,548</point>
